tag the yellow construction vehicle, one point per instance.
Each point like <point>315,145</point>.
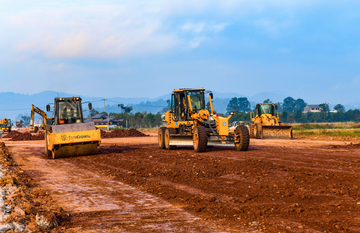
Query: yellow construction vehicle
<point>266,124</point>
<point>189,123</point>
<point>5,125</point>
<point>66,133</point>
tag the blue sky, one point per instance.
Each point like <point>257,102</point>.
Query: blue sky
<point>309,49</point>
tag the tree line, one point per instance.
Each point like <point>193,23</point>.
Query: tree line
<point>291,111</point>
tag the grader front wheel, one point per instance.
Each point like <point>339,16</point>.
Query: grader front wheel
<point>242,138</point>
<point>167,136</point>
<point>161,137</point>
<point>200,139</point>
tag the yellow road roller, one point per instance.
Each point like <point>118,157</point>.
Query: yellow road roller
<point>66,133</point>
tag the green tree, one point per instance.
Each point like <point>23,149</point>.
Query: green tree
<point>288,104</point>
<point>284,116</point>
<point>93,112</point>
<point>125,109</point>
<point>267,101</point>
<point>339,108</point>
<point>238,104</point>
<point>167,108</point>
<point>324,107</point>
<point>26,120</point>
<point>299,104</point>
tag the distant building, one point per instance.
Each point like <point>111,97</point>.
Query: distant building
<point>312,108</point>
<point>102,121</point>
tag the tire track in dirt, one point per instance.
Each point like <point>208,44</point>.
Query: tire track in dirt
<point>97,203</point>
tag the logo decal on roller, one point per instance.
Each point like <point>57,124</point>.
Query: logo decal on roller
<point>71,138</point>
<point>224,123</point>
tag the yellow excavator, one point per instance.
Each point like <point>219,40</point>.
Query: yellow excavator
<point>266,124</point>
<point>188,123</point>
<point>66,134</point>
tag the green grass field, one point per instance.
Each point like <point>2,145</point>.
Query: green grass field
<point>348,129</point>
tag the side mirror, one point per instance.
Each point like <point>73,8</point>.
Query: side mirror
<point>276,107</point>
<point>251,115</point>
<point>48,107</point>
<point>211,95</point>
<point>90,106</point>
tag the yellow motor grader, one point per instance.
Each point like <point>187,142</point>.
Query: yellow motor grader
<point>266,124</point>
<point>66,133</point>
<point>188,123</point>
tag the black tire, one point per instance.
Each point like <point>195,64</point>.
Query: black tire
<point>258,131</point>
<point>242,132</point>
<point>168,131</point>
<point>200,139</point>
<point>161,137</point>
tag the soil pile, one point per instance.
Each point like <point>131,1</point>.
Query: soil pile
<point>119,133</point>
<point>28,136</point>
<point>29,207</point>
<point>11,134</point>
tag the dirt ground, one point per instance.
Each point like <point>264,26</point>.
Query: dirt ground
<point>310,184</point>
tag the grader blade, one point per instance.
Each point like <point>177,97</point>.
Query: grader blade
<point>73,140</point>
<point>181,140</point>
<point>277,132</point>
<point>221,141</point>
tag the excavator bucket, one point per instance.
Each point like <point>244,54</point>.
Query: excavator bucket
<point>73,140</point>
<point>277,132</point>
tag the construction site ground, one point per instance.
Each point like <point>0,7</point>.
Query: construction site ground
<point>308,184</point>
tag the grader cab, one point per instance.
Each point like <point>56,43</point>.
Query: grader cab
<point>188,123</point>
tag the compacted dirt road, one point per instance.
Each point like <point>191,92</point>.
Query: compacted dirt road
<point>302,185</point>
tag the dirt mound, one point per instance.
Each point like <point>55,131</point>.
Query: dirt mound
<point>119,133</point>
<point>11,134</point>
<point>28,136</point>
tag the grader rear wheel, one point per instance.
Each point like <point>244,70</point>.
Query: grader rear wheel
<point>242,138</point>
<point>200,139</point>
<point>161,137</point>
<point>169,131</point>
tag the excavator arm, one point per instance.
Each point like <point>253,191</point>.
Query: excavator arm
<point>41,113</point>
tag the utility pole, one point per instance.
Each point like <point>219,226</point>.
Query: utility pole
<point>104,104</point>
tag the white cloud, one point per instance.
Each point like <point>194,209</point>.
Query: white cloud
<point>194,27</point>
<point>71,46</point>
<point>129,28</point>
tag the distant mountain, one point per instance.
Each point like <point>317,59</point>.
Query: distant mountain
<point>14,104</point>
